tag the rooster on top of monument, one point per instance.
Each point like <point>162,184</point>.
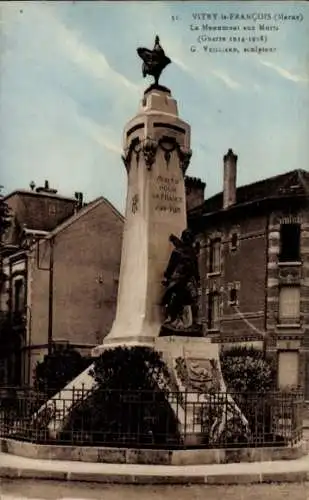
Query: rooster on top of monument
<point>154,61</point>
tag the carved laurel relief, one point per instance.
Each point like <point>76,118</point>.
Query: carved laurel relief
<point>168,146</point>
<point>149,150</point>
<point>184,158</point>
<point>134,147</point>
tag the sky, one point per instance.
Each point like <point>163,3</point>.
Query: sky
<point>71,78</point>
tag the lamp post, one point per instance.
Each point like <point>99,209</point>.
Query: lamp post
<point>50,296</point>
<point>50,269</point>
<point>29,333</point>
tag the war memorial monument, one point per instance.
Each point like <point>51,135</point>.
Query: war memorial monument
<point>159,283</point>
<point>157,304</point>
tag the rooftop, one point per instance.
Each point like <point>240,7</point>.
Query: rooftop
<point>45,194</point>
<point>295,182</point>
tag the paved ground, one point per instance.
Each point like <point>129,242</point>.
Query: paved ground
<point>50,490</point>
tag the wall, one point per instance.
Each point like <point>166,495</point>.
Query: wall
<point>247,268</point>
<point>87,260</point>
<point>254,265</point>
<point>286,339</point>
<point>85,280</point>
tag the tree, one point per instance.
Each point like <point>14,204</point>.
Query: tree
<point>5,216</point>
<point>246,370</point>
<point>250,377</point>
<point>5,222</point>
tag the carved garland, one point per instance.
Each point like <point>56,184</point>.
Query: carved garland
<point>135,147</point>
<point>168,146</point>
<point>184,158</point>
<point>149,149</point>
<point>290,275</point>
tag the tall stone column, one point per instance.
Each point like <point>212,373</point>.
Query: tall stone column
<point>156,156</point>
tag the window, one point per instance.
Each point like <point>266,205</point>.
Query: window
<point>215,256</point>
<point>213,310</point>
<point>18,295</point>
<point>233,296</point>
<point>288,365</point>
<point>289,305</point>
<point>289,243</point>
<point>234,242</point>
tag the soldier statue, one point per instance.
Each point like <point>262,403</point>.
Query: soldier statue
<point>182,281</point>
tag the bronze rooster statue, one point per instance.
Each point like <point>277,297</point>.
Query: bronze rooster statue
<point>154,61</point>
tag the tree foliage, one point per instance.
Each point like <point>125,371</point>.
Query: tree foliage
<point>245,369</point>
<point>136,368</point>
<point>127,408</point>
<point>5,216</point>
<point>5,222</point>
<point>251,379</point>
<point>58,368</point>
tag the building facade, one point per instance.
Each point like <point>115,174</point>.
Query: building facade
<point>254,264</point>
<point>61,278</point>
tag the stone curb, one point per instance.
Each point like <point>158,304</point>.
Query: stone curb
<point>213,479</point>
<point>150,456</point>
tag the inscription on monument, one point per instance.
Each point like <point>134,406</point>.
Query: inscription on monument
<point>166,195</point>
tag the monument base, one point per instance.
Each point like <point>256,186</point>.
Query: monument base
<point>194,373</point>
<point>194,365</point>
<point>168,330</point>
<point>113,342</point>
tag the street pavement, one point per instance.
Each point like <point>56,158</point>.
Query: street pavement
<point>50,490</point>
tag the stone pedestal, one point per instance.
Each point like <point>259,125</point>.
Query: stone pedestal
<point>195,368</point>
<point>156,156</point>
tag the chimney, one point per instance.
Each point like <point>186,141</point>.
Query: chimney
<point>46,189</point>
<point>79,197</point>
<point>195,192</point>
<point>229,178</point>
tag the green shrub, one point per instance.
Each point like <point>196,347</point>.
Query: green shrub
<point>58,368</point>
<point>245,369</point>
<point>125,368</point>
<point>250,377</point>
<point>127,408</point>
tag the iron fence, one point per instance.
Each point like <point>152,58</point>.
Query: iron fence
<point>155,419</point>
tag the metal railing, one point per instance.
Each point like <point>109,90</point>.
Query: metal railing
<point>153,419</point>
